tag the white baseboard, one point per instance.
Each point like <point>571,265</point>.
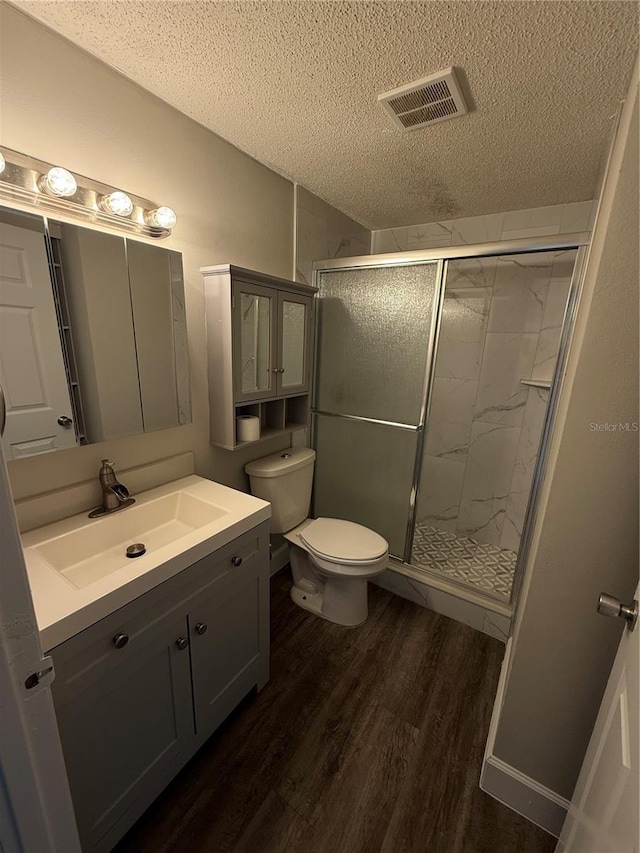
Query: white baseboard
<point>514,789</point>
<point>279,559</point>
<point>524,795</point>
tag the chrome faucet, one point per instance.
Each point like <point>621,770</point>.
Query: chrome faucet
<point>115,496</point>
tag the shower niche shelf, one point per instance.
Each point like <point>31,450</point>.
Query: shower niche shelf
<point>259,351</point>
<point>537,383</point>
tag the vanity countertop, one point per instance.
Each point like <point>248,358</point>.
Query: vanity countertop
<point>64,605</point>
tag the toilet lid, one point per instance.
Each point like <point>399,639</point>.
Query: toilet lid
<point>343,541</point>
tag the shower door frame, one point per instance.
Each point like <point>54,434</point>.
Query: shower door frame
<point>577,241</point>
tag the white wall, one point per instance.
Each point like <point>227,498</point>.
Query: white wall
<point>63,106</point>
<point>586,538</point>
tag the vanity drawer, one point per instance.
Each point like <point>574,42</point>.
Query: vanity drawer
<point>224,565</point>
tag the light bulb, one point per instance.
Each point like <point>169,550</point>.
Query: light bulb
<point>3,163</point>
<point>117,203</point>
<point>58,182</point>
<point>161,217</point>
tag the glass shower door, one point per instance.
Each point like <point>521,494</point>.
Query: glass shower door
<point>500,329</point>
<point>373,350</point>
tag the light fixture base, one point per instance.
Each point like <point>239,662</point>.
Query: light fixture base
<point>20,181</point>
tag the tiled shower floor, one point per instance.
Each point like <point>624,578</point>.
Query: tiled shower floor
<point>464,559</point>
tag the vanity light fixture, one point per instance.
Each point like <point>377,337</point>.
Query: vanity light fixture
<point>161,217</point>
<point>58,182</point>
<point>117,203</point>
<point>52,189</point>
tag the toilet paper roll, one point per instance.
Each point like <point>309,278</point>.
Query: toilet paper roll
<point>248,427</point>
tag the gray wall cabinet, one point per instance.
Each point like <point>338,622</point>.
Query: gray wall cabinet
<point>132,712</point>
<point>259,350</point>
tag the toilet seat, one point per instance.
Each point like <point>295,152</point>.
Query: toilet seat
<point>338,541</point>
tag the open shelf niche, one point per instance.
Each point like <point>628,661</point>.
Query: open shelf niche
<point>277,416</point>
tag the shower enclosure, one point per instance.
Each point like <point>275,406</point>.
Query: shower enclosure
<point>436,377</point>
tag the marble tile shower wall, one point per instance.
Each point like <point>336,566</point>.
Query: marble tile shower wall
<point>533,222</point>
<point>325,232</point>
<point>501,323</point>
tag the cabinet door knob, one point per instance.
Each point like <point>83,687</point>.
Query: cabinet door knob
<point>278,369</point>
<point>120,640</point>
<point>182,643</point>
<point>237,561</point>
<point>201,628</point>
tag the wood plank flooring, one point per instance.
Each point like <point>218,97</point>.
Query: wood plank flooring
<point>365,740</point>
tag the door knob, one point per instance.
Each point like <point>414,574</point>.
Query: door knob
<point>65,421</point>
<point>201,628</point>
<point>182,643</point>
<point>608,605</point>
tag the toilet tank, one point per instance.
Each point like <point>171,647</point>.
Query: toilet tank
<point>284,479</point>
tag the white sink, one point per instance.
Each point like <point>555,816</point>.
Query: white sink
<point>78,569</point>
<point>85,555</point>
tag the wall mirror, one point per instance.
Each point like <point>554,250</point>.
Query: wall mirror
<point>93,339</point>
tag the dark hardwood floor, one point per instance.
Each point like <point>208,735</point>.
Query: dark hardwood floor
<point>365,740</point>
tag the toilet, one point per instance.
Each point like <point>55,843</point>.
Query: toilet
<point>331,559</point>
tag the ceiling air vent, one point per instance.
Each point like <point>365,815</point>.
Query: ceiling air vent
<point>426,101</point>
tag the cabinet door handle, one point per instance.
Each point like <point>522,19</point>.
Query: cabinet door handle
<point>201,628</point>
<point>237,561</point>
<point>120,640</point>
<point>278,369</point>
<point>182,643</point>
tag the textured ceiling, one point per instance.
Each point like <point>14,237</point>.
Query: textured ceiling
<point>294,84</point>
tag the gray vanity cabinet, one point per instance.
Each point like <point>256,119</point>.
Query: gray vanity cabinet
<point>140,691</point>
<point>125,723</point>
<point>228,650</point>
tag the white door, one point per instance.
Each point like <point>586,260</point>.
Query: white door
<point>603,816</point>
<point>35,805</point>
<point>31,367</point>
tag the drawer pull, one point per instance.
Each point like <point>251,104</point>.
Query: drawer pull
<point>237,561</point>
<point>201,628</point>
<point>182,643</point>
<point>120,640</point>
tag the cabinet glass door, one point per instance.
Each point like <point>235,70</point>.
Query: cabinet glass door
<point>254,319</point>
<point>295,324</point>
